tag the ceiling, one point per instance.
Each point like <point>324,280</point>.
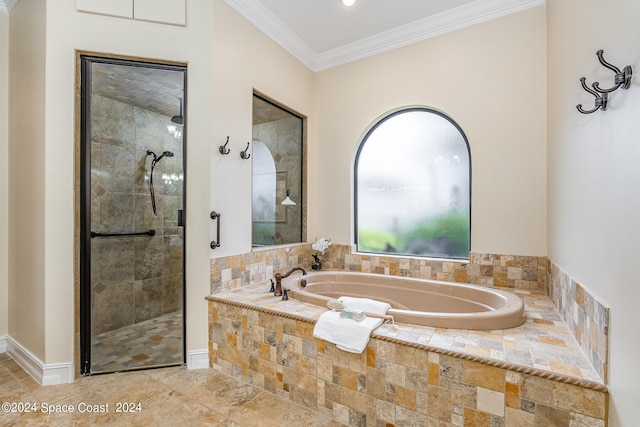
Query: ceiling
<point>324,33</point>
<point>320,33</point>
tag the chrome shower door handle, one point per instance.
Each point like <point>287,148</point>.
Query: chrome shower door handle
<point>216,243</point>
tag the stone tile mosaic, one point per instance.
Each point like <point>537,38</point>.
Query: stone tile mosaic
<point>506,271</point>
<point>534,374</point>
<point>586,317</point>
<point>543,342</point>
<point>153,342</point>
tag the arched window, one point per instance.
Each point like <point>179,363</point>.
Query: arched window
<point>413,186</point>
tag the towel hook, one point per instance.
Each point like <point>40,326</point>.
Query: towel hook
<point>601,101</point>
<point>223,148</point>
<point>243,154</point>
<point>622,78</point>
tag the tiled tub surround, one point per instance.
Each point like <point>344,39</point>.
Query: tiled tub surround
<point>505,271</point>
<point>531,375</point>
<point>133,278</point>
<point>586,317</point>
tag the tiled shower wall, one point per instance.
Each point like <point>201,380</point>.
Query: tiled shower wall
<point>508,271</point>
<point>586,316</point>
<point>133,278</point>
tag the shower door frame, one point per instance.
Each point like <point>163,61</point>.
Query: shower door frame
<point>84,61</point>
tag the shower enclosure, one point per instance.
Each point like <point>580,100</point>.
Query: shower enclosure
<point>131,209</point>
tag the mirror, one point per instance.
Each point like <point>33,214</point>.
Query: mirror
<point>277,153</point>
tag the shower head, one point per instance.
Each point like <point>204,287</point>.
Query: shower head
<point>164,154</point>
<point>178,118</point>
<point>156,159</point>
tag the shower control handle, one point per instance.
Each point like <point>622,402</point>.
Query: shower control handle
<point>216,243</point>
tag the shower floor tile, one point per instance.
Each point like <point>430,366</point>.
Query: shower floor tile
<point>154,342</point>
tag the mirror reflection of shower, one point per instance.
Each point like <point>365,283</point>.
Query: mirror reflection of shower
<point>154,162</point>
<point>175,127</point>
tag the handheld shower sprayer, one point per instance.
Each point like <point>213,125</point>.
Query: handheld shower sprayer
<point>156,159</point>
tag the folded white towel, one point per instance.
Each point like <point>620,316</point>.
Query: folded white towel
<point>365,304</point>
<point>348,334</point>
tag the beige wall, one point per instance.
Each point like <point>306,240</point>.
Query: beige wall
<point>41,248</point>
<point>26,322</point>
<point>490,78</point>
<point>245,59</point>
<point>594,178</point>
<point>4,170</point>
<point>42,182</point>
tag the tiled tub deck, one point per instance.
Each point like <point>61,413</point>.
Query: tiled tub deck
<point>531,375</point>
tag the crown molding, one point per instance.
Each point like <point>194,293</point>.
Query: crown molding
<point>442,23</point>
<point>7,5</point>
<point>273,27</point>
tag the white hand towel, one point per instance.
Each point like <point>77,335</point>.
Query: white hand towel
<point>365,304</point>
<point>348,334</point>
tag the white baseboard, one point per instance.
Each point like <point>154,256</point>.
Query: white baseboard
<point>62,373</point>
<point>198,359</point>
<point>57,373</point>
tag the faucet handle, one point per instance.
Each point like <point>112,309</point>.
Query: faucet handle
<point>285,294</point>
<point>273,288</point>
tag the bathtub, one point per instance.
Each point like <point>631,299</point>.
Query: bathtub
<point>415,301</point>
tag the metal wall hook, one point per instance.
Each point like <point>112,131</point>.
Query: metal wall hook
<point>243,154</point>
<point>601,101</point>
<point>622,78</point>
<point>223,148</point>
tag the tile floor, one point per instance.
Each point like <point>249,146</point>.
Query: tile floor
<point>154,342</point>
<point>171,396</point>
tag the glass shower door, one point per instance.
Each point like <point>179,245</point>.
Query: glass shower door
<point>132,286</point>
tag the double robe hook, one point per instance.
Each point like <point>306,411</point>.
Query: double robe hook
<point>243,154</point>
<point>622,80</point>
<point>601,101</point>
<point>224,150</point>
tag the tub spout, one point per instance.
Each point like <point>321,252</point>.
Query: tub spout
<point>279,277</point>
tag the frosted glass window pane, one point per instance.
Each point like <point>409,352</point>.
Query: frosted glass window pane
<point>413,187</point>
